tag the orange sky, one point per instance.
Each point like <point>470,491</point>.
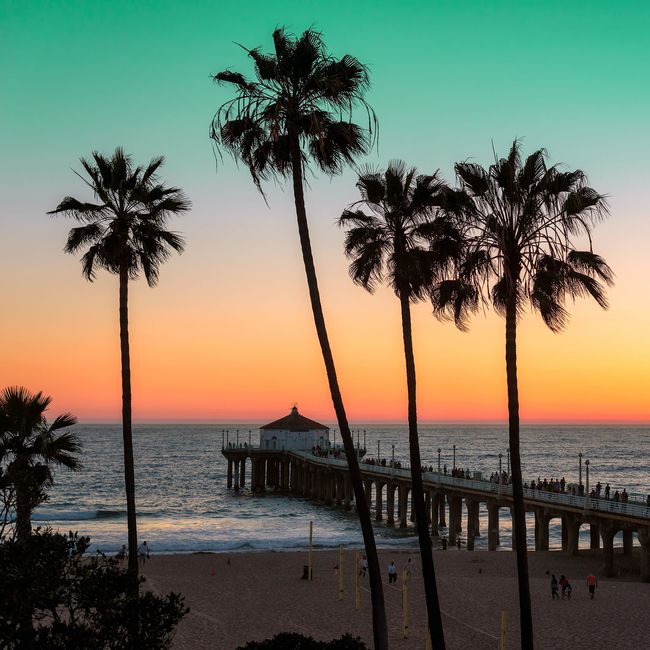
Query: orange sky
<point>228,334</point>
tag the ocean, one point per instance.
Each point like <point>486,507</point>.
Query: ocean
<point>184,506</point>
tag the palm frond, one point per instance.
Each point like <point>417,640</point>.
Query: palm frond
<point>301,90</point>
<point>456,300</point>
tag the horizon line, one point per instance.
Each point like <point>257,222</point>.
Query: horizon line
<point>477,422</point>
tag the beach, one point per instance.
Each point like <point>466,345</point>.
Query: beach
<point>239,597</point>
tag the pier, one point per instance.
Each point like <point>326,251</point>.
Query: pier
<point>387,489</point>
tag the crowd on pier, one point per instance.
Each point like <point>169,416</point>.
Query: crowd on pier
<point>558,486</point>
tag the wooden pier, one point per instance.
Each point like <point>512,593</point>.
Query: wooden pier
<point>387,490</point>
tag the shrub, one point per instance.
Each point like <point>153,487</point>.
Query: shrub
<point>291,641</point>
<point>53,596</point>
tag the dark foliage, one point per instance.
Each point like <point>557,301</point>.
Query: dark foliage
<point>298,91</point>
<point>53,596</point>
<point>29,448</point>
<point>7,505</point>
<point>291,641</point>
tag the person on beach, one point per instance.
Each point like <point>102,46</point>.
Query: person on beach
<point>554,589</point>
<point>363,566</point>
<point>143,553</point>
<point>392,573</point>
<point>409,568</point>
<point>122,553</point>
<point>592,583</point>
<point>566,587</point>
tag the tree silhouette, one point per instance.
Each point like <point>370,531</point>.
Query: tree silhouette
<point>124,232</point>
<point>521,224</point>
<point>29,447</point>
<point>402,242</point>
<point>297,110</point>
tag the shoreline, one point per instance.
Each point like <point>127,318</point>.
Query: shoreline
<point>238,597</point>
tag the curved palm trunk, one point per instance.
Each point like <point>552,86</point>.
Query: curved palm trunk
<point>379,623</point>
<point>417,493</point>
<point>525,613</point>
<point>127,429</point>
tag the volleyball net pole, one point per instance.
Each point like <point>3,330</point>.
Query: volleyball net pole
<point>405,604</point>
<point>503,639</point>
<point>341,590</point>
<point>309,556</point>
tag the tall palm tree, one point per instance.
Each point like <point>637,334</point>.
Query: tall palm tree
<point>297,110</point>
<point>522,222</point>
<point>124,233</point>
<point>399,241</point>
<point>30,447</point>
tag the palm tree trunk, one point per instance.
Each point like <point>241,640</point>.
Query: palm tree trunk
<point>23,513</point>
<point>127,429</point>
<point>417,493</point>
<point>380,628</point>
<point>525,613</point>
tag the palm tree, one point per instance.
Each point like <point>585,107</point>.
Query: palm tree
<point>298,110</point>
<point>400,242</point>
<point>29,447</point>
<point>124,233</point>
<point>521,222</point>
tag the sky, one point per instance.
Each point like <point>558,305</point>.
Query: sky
<point>228,333</point>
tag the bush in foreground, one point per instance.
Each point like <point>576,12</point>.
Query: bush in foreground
<point>291,641</point>
<point>52,596</point>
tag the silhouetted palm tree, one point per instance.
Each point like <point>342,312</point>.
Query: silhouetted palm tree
<point>29,447</point>
<point>124,233</point>
<point>522,222</point>
<point>295,111</point>
<point>401,242</point>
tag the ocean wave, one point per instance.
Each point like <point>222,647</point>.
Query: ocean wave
<point>77,515</point>
<point>80,515</point>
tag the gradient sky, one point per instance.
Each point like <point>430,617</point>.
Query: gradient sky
<point>229,333</point>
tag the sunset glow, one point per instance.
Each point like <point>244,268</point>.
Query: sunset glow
<point>228,334</point>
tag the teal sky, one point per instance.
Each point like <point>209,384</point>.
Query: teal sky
<point>448,79</point>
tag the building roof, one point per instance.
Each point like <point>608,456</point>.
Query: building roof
<point>295,422</point>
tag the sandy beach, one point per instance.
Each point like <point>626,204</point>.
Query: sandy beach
<point>252,596</point>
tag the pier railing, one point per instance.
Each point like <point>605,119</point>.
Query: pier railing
<point>631,508</point>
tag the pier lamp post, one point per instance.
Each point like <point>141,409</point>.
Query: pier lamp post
<point>334,438</point>
<point>587,468</point>
<point>227,436</point>
<point>357,439</point>
<point>508,461</point>
<point>364,440</point>
<point>579,469</point>
<point>500,457</point>
<point>439,450</point>
<point>454,465</point>
<point>393,455</point>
